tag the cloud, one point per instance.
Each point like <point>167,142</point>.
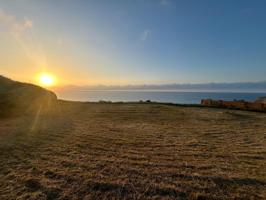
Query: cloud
<point>9,23</point>
<point>22,32</point>
<point>165,2</point>
<point>145,34</point>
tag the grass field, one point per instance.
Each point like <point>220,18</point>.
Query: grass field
<point>133,151</point>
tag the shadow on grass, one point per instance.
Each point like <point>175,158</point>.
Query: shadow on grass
<point>220,181</point>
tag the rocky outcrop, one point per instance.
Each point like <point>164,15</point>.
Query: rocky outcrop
<point>17,97</point>
<point>261,100</point>
<point>242,105</point>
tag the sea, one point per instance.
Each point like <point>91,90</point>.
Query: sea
<point>179,97</point>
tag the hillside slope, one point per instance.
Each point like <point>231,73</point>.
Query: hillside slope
<point>17,97</point>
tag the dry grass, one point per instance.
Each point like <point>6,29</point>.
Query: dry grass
<point>133,151</point>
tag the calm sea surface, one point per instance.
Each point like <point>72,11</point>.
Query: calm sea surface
<point>158,96</point>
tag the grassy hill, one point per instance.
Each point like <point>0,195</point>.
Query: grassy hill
<point>17,98</point>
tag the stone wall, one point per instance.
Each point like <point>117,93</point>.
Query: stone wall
<point>261,100</point>
<point>243,105</point>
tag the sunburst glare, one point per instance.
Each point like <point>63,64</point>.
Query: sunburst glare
<point>46,80</point>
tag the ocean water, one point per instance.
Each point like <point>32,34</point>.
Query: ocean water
<point>158,96</point>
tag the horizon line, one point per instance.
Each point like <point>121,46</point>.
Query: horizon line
<point>162,84</point>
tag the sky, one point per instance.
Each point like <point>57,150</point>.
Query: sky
<point>124,42</point>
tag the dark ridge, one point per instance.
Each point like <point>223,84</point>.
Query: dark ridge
<point>18,98</point>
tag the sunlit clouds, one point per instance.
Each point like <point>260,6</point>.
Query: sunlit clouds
<point>21,30</point>
<point>12,25</point>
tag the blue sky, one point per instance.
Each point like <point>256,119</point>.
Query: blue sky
<point>136,42</point>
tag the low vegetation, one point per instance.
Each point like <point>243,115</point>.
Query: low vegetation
<point>19,98</point>
<point>133,151</point>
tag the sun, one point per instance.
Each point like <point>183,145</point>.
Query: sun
<point>46,80</point>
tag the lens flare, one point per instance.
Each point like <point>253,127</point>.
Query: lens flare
<point>46,80</point>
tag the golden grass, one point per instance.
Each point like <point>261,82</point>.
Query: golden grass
<point>133,151</point>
